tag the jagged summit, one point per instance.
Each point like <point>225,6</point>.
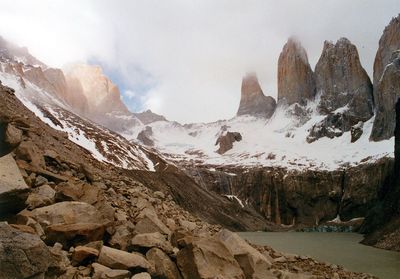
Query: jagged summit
<point>253,101</point>
<point>296,83</point>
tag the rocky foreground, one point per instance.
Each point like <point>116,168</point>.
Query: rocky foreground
<point>66,215</point>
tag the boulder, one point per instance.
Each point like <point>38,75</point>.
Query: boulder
<point>122,236</point>
<point>118,259</point>
<point>145,136</point>
<point>61,261</point>
<point>74,234</point>
<point>28,151</point>
<point>207,258</point>
<point>149,222</point>
<point>41,196</point>
<point>13,189</point>
<point>387,92</point>
<point>296,83</point>
<point>22,255</point>
<point>83,253</point>
<point>142,275</point>
<point>226,140</point>
<point>13,135</point>
<point>83,192</point>
<point>161,265</point>
<point>253,263</point>
<point>145,241</point>
<point>116,274</point>
<point>356,131</point>
<point>98,270</point>
<point>253,101</point>
<point>66,213</point>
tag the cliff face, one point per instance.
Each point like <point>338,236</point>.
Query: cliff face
<point>302,197</point>
<point>386,81</point>
<point>253,101</point>
<point>296,83</point>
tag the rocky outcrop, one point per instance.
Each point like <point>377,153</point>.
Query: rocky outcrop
<point>253,101</point>
<point>148,117</point>
<point>296,83</point>
<point>344,87</point>
<point>387,94</point>
<point>226,140</point>
<point>388,43</point>
<point>145,136</point>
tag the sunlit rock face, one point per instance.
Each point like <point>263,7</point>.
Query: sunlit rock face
<point>253,101</point>
<point>296,82</point>
<point>386,81</point>
<point>104,104</point>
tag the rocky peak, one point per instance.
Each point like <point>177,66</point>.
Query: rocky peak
<point>253,101</point>
<point>148,117</point>
<point>296,82</point>
<point>102,94</point>
<point>342,81</point>
<point>10,51</point>
<point>389,42</point>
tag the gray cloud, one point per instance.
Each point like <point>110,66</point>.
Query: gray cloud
<point>192,53</point>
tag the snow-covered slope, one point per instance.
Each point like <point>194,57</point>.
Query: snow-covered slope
<point>103,144</point>
<point>279,141</point>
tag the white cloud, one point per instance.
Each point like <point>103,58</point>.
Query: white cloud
<point>191,54</point>
<point>129,94</point>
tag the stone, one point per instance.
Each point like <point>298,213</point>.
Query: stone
<point>251,261</point>
<point>116,274</point>
<point>387,92</point>
<point>61,261</point>
<point>40,180</point>
<point>356,131</point>
<point>83,253</point>
<point>207,258</point>
<point>41,196</point>
<point>66,213</point>
<point>28,151</point>
<point>22,255</point>
<point>13,135</point>
<point>118,259</point>
<point>77,192</point>
<point>122,236</point>
<point>142,275</point>
<point>146,241</point>
<point>74,234</point>
<point>98,270</point>
<point>161,265</point>
<point>13,189</point>
<point>253,101</point>
<point>149,222</point>
<point>226,140</point>
<point>296,83</point>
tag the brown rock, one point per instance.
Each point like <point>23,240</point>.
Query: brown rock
<point>146,241</point>
<point>161,265</point>
<point>296,83</point>
<point>251,261</point>
<point>145,136</point>
<point>13,135</point>
<point>83,253</point>
<point>13,189</point>
<point>22,255</point>
<point>118,259</point>
<point>41,196</point>
<point>207,258</point>
<point>116,274</point>
<point>253,101</point>
<point>226,140</point>
<point>73,234</point>
<point>149,222</point>
<point>142,275</point>
<point>29,152</point>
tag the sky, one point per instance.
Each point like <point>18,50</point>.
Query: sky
<point>185,58</point>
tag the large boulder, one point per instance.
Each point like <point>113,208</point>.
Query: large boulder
<point>148,222</point>
<point>161,265</point>
<point>253,101</point>
<point>207,258</point>
<point>386,81</point>
<point>253,263</point>
<point>296,83</point>
<point>118,259</point>
<point>13,189</point>
<point>146,241</point>
<point>22,255</point>
<point>41,196</point>
<point>226,140</point>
